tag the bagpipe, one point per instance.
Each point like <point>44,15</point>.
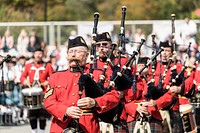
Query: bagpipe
<point>120,78</point>
<point>176,79</point>
<point>96,89</point>
<point>134,87</point>
<point>155,92</point>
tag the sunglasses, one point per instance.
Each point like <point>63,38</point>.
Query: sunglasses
<point>103,45</point>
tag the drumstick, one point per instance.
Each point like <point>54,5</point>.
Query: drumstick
<point>29,86</point>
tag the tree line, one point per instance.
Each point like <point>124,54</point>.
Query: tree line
<point>76,10</point>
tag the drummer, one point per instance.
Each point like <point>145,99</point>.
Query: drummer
<point>36,74</point>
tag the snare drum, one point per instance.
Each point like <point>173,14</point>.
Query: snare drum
<point>188,119</point>
<point>32,98</point>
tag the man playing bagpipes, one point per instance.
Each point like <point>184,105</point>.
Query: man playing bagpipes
<point>169,76</point>
<point>68,98</point>
<point>109,63</point>
<point>143,108</point>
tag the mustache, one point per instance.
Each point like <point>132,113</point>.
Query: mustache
<point>74,59</point>
<point>102,52</point>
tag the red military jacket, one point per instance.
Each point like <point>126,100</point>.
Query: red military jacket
<point>29,72</point>
<point>188,82</point>
<point>64,93</point>
<point>134,99</point>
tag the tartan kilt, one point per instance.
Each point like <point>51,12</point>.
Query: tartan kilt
<point>155,125</point>
<point>176,122</point>
<point>131,126</point>
<point>122,127</point>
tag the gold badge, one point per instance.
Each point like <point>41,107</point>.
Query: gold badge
<point>48,93</point>
<point>115,118</point>
<point>107,35</point>
<point>82,41</point>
